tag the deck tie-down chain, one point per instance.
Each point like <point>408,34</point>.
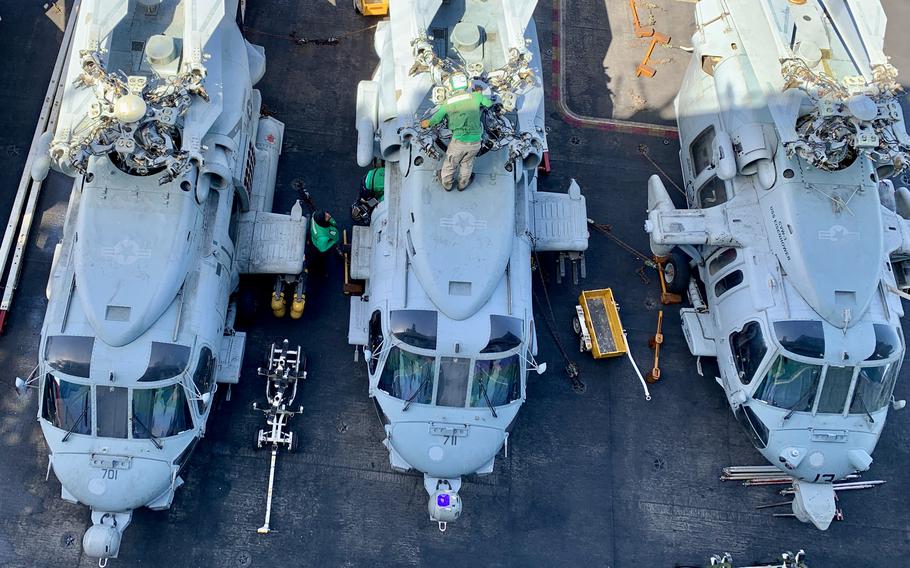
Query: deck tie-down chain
<point>549,319</point>
<point>644,151</point>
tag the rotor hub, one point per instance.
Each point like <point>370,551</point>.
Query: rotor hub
<point>130,108</point>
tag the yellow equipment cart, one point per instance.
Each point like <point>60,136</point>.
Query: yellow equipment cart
<point>372,7</point>
<point>597,324</point>
<point>600,330</point>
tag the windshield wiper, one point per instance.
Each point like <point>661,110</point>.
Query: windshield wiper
<point>78,420</point>
<point>483,391</point>
<point>411,398</point>
<point>862,401</point>
<point>802,399</point>
<point>152,437</point>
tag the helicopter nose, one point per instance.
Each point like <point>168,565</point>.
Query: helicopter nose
<point>818,463</point>
<point>112,483</point>
<point>446,450</point>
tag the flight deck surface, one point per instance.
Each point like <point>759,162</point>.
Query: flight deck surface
<point>599,478</point>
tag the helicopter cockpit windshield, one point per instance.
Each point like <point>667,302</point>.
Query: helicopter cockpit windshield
<point>790,384</point>
<point>455,381</point>
<point>160,412</point>
<point>493,378</point>
<point>408,376</point>
<point>498,380</point>
<point>796,385</point>
<point>156,412</point>
<point>67,405</point>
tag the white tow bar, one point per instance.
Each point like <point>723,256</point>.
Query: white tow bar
<point>283,373</point>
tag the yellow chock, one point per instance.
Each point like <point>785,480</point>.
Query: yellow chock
<point>297,306</point>
<point>278,304</point>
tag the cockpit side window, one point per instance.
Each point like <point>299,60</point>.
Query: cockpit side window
<point>406,375</point>
<point>702,150</point>
<point>166,360</point>
<point>204,375</point>
<point>790,384</point>
<point>505,334</point>
<point>112,404</point>
<point>374,340</point>
<point>415,327</point>
<point>712,193</point>
<point>748,347</point>
<point>67,405</point>
<point>70,354</point>
<point>721,260</point>
<point>453,381</point>
<point>728,282</point>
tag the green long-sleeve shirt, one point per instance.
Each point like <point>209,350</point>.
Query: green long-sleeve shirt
<point>375,183</point>
<point>463,111</point>
<point>323,238</point>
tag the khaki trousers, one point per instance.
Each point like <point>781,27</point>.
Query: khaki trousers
<point>460,156</point>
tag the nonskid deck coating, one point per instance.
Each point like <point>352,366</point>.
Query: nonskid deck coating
<point>598,479</point>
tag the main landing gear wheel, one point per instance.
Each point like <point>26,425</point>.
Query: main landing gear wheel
<point>676,272</point>
<point>292,443</point>
<point>576,326</point>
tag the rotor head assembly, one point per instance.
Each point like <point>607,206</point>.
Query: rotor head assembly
<point>135,121</point>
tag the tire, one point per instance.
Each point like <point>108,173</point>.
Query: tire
<point>676,272</point>
<point>292,447</point>
<point>357,7</point>
<point>576,326</point>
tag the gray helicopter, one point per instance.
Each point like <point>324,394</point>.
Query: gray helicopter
<point>174,181</point>
<point>446,320</point>
<point>789,128</point>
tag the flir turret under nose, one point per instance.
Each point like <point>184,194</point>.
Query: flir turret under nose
<point>814,503</point>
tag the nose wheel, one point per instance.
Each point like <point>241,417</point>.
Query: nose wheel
<point>102,539</point>
<point>445,503</point>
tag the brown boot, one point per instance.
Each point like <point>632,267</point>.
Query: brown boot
<point>470,181</point>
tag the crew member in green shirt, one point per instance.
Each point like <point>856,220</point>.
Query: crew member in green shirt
<point>463,112</point>
<point>323,235</point>
<point>323,231</point>
<point>372,192</point>
<point>374,185</point>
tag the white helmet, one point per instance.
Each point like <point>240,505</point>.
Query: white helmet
<point>458,81</point>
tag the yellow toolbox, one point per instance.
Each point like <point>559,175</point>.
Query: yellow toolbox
<point>372,7</point>
<point>598,326</point>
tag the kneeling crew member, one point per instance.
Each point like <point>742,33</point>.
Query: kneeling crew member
<point>463,112</point>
